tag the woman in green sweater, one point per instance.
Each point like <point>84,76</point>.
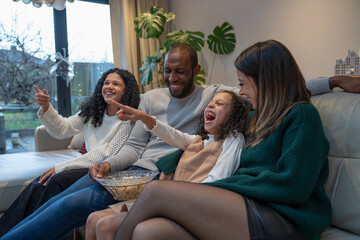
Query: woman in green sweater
<point>278,191</point>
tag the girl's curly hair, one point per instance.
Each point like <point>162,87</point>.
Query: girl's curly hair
<point>95,106</point>
<point>235,123</point>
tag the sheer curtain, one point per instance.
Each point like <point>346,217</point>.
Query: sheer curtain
<point>128,49</point>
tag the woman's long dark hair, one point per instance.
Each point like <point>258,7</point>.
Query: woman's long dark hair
<point>280,85</point>
<point>95,106</point>
<point>236,121</point>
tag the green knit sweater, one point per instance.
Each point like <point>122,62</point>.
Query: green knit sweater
<point>288,170</point>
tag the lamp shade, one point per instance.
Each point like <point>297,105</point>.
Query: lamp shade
<point>26,1</point>
<point>59,4</point>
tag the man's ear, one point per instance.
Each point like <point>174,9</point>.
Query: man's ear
<point>197,70</point>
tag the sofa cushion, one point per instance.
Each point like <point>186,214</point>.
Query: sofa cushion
<point>77,141</point>
<point>340,114</point>
<point>332,233</point>
<point>19,169</point>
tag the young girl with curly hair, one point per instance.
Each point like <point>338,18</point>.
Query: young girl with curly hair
<point>104,135</point>
<point>212,154</point>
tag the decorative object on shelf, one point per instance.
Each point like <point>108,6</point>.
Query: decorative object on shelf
<point>349,66</point>
<point>63,67</point>
<point>15,139</point>
<point>153,24</point>
<point>57,4</point>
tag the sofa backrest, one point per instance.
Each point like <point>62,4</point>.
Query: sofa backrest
<point>45,142</point>
<point>340,114</point>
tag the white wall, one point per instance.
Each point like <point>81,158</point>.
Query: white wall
<point>316,31</point>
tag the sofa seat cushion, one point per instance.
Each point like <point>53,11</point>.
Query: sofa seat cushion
<point>332,233</point>
<point>19,169</point>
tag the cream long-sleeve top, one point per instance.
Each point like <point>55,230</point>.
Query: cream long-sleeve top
<point>228,161</point>
<point>101,142</point>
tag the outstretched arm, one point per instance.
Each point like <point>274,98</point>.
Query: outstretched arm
<point>128,113</point>
<point>326,84</point>
<point>347,83</point>
<point>167,133</point>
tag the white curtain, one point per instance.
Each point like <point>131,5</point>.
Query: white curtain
<point>128,49</point>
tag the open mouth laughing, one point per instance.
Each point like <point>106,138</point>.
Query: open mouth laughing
<point>210,117</point>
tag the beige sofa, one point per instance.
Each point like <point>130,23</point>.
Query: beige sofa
<point>340,113</point>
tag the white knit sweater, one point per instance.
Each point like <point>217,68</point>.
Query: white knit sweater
<point>101,142</point>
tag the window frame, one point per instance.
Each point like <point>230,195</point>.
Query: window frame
<point>61,42</point>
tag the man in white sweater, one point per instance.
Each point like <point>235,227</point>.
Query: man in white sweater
<point>181,106</point>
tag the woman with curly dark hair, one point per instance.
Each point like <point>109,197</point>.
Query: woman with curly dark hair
<point>104,135</point>
<point>212,154</point>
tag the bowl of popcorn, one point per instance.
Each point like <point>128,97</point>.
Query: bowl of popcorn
<point>126,185</point>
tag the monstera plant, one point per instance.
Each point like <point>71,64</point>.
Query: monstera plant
<point>154,24</point>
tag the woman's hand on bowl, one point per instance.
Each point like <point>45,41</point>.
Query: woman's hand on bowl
<point>99,170</point>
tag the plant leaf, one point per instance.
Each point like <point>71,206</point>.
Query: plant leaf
<point>158,55</point>
<point>194,39</point>
<point>198,79</point>
<point>222,42</point>
<point>170,16</point>
<point>148,69</point>
<point>151,24</point>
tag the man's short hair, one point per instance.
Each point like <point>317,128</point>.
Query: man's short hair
<point>189,49</point>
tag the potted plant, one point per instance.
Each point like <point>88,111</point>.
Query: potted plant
<point>154,24</point>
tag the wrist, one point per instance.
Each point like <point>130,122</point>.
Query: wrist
<point>334,82</point>
<point>45,108</point>
<point>148,120</point>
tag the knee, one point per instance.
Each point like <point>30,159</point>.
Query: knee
<point>102,227</point>
<point>92,220</point>
<point>154,189</point>
<point>144,231</point>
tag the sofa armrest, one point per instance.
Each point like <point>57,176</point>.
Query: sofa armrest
<point>45,142</point>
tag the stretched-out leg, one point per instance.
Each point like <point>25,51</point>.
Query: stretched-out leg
<point>62,215</point>
<point>22,207</point>
<point>205,212</point>
<point>82,183</point>
<point>35,195</point>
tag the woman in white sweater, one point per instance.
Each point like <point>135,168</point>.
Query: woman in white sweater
<point>104,135</point>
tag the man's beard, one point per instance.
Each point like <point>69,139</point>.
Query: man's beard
<point>186,89</point>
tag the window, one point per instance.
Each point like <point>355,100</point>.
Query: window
<point>26,51</point>
<point>90,47</point>
<point>347,61</point>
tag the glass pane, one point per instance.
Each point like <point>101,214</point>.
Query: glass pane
<point>26,53</point>
<point>90,47</point>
